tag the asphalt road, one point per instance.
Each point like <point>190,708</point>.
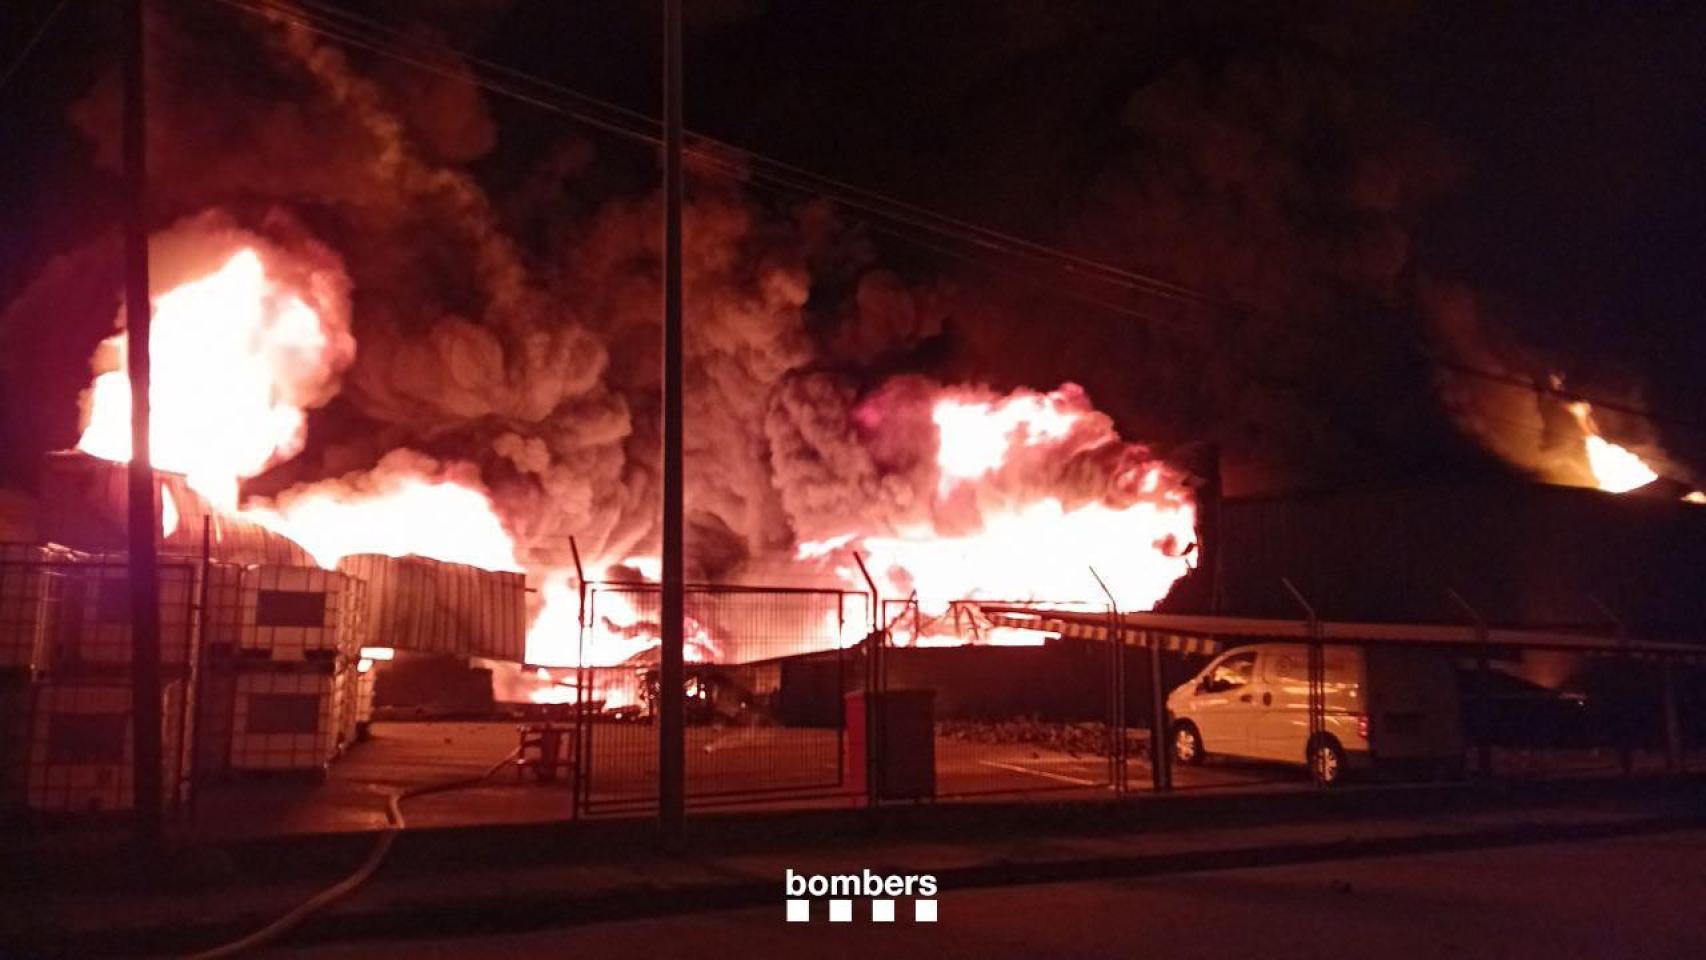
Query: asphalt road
<point>1629,897</point>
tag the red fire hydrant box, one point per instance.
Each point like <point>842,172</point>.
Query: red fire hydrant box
<point>892,735</point>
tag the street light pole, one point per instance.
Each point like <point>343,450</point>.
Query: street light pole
<point>672,795</point>
<point>144,520</point>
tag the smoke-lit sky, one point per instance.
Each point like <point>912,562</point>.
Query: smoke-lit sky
<point>1370,173</point>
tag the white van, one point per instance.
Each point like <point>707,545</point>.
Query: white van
<point>1385,705</point>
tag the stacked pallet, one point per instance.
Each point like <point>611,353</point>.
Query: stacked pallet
<point>216,681</point>
<point>79,753</point>
<point>65,697</point>
<point>280,678</point>
<point>287,720</point>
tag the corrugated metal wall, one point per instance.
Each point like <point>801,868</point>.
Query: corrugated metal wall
<point>431,607</point>
<point>86,510</point>
<point>1522,555</point>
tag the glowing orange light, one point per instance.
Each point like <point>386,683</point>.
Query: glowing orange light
<point>229,352</point>
<point>168,513</point>
<point>1025,543</point>
<point>439,519</point>
<point>1615,469</point>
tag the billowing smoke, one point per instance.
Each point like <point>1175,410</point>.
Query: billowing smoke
<point>1515,400</point>
<point>527,374</point>
<point>507,323</point>
<point>960,492</point>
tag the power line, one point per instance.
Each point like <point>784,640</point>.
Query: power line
<point>710,151</point>
<point>906,220</point>
<point>30,44</point>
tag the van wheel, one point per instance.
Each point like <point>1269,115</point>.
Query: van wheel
<point>1326,760</point>
<point>1187,744</point>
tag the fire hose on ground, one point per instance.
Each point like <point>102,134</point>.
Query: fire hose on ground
<point>395,825</point>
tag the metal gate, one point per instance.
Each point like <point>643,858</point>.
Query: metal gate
<point>767,669</point>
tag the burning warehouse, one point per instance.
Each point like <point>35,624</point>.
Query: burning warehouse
<point>1122,403</point>
<point>406,395</point>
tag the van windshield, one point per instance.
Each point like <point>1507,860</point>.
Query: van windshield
<point>1234,671</point>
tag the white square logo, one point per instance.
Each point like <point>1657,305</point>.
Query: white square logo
<point>882,911</point>
<point>840,911</point>
<point>799,911</point>
<point>924,911</point>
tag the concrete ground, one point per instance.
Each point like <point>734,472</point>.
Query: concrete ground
<point>726,767</point>
<point>1624,897</point>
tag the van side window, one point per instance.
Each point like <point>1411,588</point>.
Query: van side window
<point>1234,671</point>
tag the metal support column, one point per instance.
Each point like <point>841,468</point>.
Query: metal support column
<point>1624,685</point>
<point>672,733</point>
<point>1673,722</point>
<point>873,683</point>
<point>1483,688</point>
<point>578,795</point>
<point>144,516</point>
<point>1317,681</point>
<point>1160,758</point>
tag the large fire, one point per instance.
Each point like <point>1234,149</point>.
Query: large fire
<point>236,360</point>
<point>1031,490</point>
<point>403,514</point>
<point>1135,529</point>
<point>1615,469</point>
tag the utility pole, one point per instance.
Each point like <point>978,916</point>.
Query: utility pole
<point>672,780</point>
<point>145,708</point>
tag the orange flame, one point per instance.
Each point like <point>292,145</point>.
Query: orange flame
<point>228,351</point>
<point>168,513</point>
<point>1615,469</point>
<point>239,358</point>
<point>439,519</point>
<point>975,436</point>
<point>1025,544</point>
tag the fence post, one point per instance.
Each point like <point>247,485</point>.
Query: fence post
<point>873,678</point>
<point>1623,687</point>
<point>1483,687</point>
<point>1117,755</point>
<point>1115,731</point>
<point>1673,723</point>
<point>1317,680</point>
<point>579,795</point>
<point>1161,759</point>
<point>196,684</point>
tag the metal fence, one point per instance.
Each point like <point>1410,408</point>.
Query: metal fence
<point>792,697</point>
<point>766,673</point>
<point>1010,710</point>
<point>65,687</point>
<point>1311,703</point>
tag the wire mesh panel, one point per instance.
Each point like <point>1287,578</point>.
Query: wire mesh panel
<point>764,680</point>
<point>89,613</point>
<point>25,592</point>
<point>16,688</point>
<point>1011,710</point>
<point>287,719</point>
<point>1533,714</point>
<point>295,613</point>
<point>79,757</point>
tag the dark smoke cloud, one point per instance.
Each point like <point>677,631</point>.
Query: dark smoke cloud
<point>514,326</point>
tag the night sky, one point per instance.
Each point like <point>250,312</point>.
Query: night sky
<point>1337,164</point>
